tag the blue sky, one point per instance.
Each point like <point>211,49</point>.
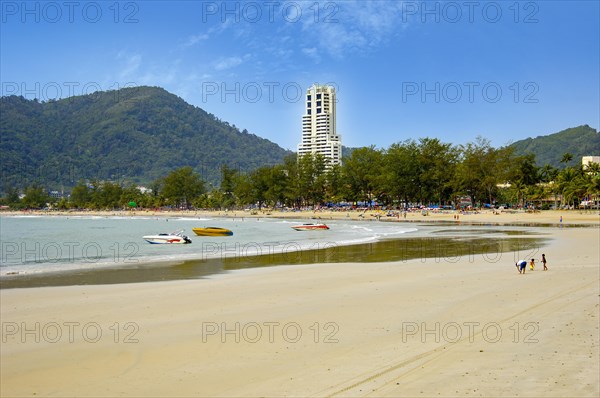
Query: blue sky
<point>504,70</point>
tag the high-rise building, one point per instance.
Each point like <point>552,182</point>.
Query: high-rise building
<point>319,133</point>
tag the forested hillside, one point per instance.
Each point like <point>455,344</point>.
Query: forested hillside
<point>549,149</point>
<point>128,135</point>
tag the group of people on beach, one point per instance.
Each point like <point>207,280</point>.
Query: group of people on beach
<point>522,264</point>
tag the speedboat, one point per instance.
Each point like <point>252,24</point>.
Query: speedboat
<point>309,227</point>
<point>173,237</point>
<point>212,231</point>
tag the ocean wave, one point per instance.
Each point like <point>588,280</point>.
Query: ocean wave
<point>397,232</point>
<point>360,227</point>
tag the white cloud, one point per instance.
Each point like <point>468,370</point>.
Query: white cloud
<point>313,53</point>
<point>131,70</point>
<point>213,31</point>
<point>225,63</point>
<point>131,65</point>
<point>194,39</point>
<point>349,27</point>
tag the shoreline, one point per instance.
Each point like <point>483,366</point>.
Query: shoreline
<point>187,269</point>
<point>550,217</point>
<point>414,328</point>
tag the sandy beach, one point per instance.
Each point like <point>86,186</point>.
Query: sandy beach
<point>468,326</point>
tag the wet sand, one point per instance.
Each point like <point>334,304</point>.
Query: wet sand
<point>401,250</point>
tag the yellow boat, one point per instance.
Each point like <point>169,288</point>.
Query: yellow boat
<point>212,231</point>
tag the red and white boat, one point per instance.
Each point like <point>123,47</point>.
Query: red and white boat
<point>309,227</point>
<point>173,237</point>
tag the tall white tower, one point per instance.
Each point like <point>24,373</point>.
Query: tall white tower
<point>319,127</point>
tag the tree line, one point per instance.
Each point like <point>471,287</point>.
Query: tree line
<point>424,172</point>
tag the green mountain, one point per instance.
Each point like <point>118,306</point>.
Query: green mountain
<point>347,151</point>
<point>549,149</point>
<point>129,135</point>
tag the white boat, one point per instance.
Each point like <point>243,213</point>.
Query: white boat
<point>173,237</point>
<point>309,227</point>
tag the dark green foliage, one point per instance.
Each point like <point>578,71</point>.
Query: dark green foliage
<point>550,149</point>
<point>81,197</point>
<point>35,197</point>
<point>181,187</point>
<point>362,171</point>
<point>132,135</point>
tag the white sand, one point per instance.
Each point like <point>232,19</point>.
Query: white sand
<point>415,328</point>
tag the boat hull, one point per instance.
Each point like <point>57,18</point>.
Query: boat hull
<point>166,239</point>
<point>310,227</point>
<point>212,231</point>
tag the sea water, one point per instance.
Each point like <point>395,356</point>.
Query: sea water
<point>34,244</point>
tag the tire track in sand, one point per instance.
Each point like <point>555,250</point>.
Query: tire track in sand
<point>434,354</point>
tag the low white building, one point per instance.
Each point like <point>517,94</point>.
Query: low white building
<point>586,160</point>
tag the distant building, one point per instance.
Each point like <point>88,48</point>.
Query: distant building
<point>586,160</point>
<point>319,134</point>
<point>56,194</point>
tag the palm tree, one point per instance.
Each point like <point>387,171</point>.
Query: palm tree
<point>519,190</point>
<point>565,180</point>
<point>592,168</point>
<point>591,181</point>
<point>548,173</point>
<point>566,158</point>
<point>572,184</point>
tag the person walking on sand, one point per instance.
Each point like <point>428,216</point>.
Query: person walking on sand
<point>544,262</point>
<point>532,264</point>
<point>521,264</point>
